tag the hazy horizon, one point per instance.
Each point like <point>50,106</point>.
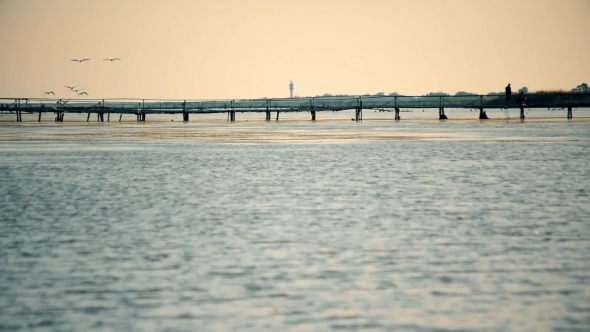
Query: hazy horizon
<point>252,49</point>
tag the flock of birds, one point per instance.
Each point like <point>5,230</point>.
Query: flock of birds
<point>73,88</point>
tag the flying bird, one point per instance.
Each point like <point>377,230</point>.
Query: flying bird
<point>71,87</point>
<point>82,93</point>
<point>80,60</point>
<point>78,90</point>
<point>49,93</point>
<point>111,60</point>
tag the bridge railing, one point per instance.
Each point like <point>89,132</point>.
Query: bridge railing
<point>565,99</point>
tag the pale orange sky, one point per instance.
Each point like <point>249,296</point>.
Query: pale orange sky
<point>252,48</point>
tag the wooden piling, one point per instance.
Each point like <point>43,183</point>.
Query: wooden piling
<point>184,112</point>
<point>277,116</point>
<point>88,117</point>
<point>482,114</point>
<point>569,112</point>
<point>39,116</point>
<point>397,117</point>
<point>441,113</point>
<point>109,117</point>
<point>232,113</point>
<point>359,110</point>
<point>18,114</point>
<point>521,112</point>
<point>120,116</point>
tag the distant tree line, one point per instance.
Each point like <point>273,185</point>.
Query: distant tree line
<point>580,88</point>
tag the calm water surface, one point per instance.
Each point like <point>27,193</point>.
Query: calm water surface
<point>409,226</point>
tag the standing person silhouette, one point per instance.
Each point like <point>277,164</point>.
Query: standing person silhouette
<point>508,95</point>
<point>521,99</point>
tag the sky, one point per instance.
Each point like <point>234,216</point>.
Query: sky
<point>230,49</point>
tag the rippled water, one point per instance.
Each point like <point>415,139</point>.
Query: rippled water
<point>407,226</point>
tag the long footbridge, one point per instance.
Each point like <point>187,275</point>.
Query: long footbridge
<point>144,107</point>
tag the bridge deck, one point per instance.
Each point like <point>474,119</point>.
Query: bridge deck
<point>281,105</point>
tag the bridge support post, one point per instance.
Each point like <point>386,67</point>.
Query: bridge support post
<point>441,113</point>
<point>39,116</point>
<point>312,115</point>
<point>120,116</point>
<point>482,114</point>
<point>277,116</point>
<point>109,117</point>
<point>88,117</point>
<point>232,113</point>
<point>184,112</point>
<point>143,117</point>
<point>312,108</point>
<point>267,115</point>
<point>61,118</point>
<point>521,112</point>
<point>397,117</point>
<point>569,112</point>
<point>358,114</point>
<point>18,113</point>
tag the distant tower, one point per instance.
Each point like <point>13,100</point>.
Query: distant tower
<point>291,88</point>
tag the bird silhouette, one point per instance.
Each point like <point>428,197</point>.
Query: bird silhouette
<point>80,60</point>
<point>78,90</point>
<point>82,93</point>
<point>49,93</point>
<point>71,87</point>
<point>111,60</point>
